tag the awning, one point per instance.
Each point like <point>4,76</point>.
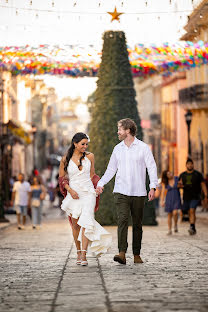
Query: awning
<point>18,131</point>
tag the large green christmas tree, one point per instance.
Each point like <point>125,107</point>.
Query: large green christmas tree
<point>114,99</point>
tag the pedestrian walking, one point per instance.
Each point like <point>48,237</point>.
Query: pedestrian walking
<point>38,193</point>
<point>11,185</point>
<point>80,201</point>
<point>192,182</point>
<point>170,199</point>
<point>204,201</point>
<point>21,198</point>
<point>129,162</point>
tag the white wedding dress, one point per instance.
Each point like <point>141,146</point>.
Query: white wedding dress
<point>83,208</point>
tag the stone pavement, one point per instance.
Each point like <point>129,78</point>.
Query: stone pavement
<point>38,271</point>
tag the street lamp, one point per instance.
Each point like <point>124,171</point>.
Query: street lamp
<point>188,118</point>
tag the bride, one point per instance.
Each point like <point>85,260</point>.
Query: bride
<point>80,200</point>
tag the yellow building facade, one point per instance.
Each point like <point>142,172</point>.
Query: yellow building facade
<point>195,97</point>
<point>174,130</point>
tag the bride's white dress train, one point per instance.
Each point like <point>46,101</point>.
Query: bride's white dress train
<point>83,208</point>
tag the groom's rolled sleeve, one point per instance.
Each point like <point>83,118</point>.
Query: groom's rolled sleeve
<point>110,171</point>
<point>151,168</point>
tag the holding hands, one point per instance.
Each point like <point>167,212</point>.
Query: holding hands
<point>180,184</point>
<point>99,190</point>
<point>75,195</point>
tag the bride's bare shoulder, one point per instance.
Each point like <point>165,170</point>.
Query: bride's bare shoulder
<point>90,155</point>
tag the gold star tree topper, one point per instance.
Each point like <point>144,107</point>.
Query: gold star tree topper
<point>115,15</point>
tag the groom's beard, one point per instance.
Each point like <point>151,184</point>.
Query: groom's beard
<point>122,137</point>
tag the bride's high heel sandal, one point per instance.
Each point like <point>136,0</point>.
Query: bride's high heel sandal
<point>79,261</point>
<point>84,262</point>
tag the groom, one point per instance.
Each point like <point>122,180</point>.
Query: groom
<point>129,161</point>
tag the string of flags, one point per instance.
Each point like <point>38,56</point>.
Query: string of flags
<point>77,61</point>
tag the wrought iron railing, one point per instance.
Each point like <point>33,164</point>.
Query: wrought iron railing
<point>196,93</point>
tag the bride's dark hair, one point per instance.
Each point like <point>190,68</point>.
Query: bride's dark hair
<point>76,139</point>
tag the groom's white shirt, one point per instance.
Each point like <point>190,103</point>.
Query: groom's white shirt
<point>129,164</point>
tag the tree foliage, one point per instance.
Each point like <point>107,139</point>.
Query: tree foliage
<point>113,100</point>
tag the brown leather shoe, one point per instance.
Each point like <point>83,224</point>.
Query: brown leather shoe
<point>137,259</point>
<point>121,258</point>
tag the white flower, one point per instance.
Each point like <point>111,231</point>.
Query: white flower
<point>88,137</point>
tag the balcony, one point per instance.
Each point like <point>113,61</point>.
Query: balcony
<point>195,97</point>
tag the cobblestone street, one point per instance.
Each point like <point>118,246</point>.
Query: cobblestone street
<point>38,271</point>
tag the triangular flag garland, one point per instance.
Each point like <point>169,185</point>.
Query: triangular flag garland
<point>77,61</point>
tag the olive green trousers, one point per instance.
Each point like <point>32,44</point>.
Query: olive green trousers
<point>124,206</point>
